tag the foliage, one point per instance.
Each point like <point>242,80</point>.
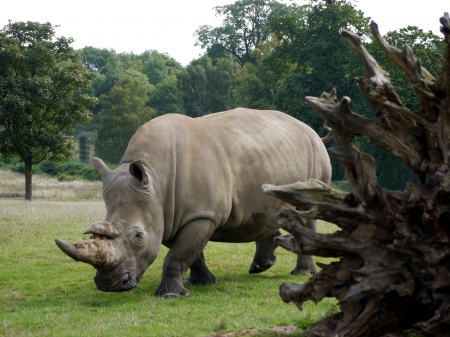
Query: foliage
<point>208,87</point>
<point>166,97</point>
<point>67,170</point>
<point>313,56</point>
<point>83,149</point>
<point>39,75</point>
<point>256,84</point>
<point>244,26</point>
<point>155,71</point>
<point>123,111</point>
<point>106,64</point>
<point>45,293</point>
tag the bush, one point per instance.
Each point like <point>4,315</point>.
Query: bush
<point>68,170</point>
<point>74,170</point>
<point>48,167</point>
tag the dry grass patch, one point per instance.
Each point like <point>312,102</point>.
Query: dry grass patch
<point>12,185</point>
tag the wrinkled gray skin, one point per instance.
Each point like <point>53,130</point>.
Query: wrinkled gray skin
<point>186,181</point>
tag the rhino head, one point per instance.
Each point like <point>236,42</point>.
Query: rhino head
<point>123,245</point>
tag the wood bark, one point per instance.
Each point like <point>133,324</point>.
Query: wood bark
<point>393,271</point>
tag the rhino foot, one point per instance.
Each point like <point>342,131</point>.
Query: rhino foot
<point>170,295</point>
<point>305,266</point>
<point>260,266</point>
<point>201,279</point>
<point>171,289</point>
<point>307,272</point>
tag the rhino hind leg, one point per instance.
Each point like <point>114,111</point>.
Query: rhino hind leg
<point>305,263</point>
<point>264,257</point>
<point>200,274</point>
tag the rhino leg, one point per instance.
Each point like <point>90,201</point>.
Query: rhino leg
<point>305,263</point>
<point>185,249</point>
<point>200,274</point>
<point>264,257</point>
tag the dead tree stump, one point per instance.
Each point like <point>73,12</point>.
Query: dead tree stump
<point>394,246</point>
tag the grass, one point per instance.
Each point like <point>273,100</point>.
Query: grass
<point>45,293</point>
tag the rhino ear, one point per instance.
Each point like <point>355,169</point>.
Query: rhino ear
<point>100,167</point>
<point>137,170</point>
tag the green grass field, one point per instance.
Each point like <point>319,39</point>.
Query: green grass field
<point>45,293</point>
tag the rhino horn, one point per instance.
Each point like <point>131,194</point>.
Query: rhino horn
<point>102,228</point>
<point>72,251</point>
<point>96,252</point>
<point>100,167</point>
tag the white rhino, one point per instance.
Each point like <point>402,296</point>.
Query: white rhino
<point>186,181</point>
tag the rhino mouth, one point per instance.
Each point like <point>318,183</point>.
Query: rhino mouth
<point>130,283</point>
<point>125,282</point>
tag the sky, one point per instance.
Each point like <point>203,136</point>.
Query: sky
<point>168,26</point>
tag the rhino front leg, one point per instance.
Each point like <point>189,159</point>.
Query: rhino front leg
<point>185,248</point>
<point>200,274</point>
<point>264,257</point>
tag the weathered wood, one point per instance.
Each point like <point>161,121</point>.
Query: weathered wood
<point>394,246</point>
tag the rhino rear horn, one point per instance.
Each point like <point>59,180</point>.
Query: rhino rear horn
<point>100,167</point>
<point>137,170</point>
<point>102,228</point>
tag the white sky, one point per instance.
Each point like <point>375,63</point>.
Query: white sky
<point>168,26</point>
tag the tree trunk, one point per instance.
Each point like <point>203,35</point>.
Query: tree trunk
<point>394,246</point>
<point>28,178</point>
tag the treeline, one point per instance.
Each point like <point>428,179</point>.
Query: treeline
<point>64,170</point>
<point>265,55</point>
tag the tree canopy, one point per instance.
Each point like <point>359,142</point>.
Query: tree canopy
<point>41,98</point>
<point>244,26</point>
<point>123,111</point>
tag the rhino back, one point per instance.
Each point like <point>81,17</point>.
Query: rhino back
<point>213,167</point>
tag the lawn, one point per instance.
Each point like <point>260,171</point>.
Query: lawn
<point>45,293</point>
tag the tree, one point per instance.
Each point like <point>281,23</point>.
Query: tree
<point>208,87</point>
<point>309,37</point>
<point>244,26</point>
<point>106,64</point>
<point>256,84</point>
<point>123,111</point>
<point>394,268</point>
<point>167,97</point>
<point>83,149</point>
<point>157,66</point>
<point>39,76</point>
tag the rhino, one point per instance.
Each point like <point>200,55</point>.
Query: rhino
<point>185,181</point>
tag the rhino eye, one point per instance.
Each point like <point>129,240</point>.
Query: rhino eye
<point>138,237</point>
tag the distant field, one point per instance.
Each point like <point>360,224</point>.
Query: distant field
<point>13,184</point>
<point>45,293</point>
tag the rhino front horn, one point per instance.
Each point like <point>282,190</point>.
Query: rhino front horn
<point>72,251</point>
<point>98,253</point>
